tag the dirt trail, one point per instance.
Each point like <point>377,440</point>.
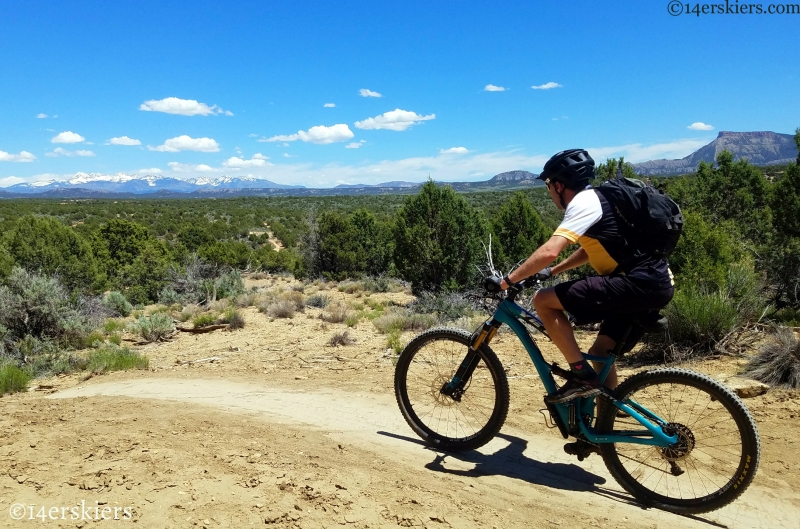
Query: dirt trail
<point>526,470</point>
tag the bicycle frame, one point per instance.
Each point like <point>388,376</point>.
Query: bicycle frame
<point>510,313</point>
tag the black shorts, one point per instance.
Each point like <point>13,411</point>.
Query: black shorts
<point>612,300</point>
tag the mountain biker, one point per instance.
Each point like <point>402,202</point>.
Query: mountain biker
<point>612,297</point>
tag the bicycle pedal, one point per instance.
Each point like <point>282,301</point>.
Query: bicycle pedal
<point>581,449</point>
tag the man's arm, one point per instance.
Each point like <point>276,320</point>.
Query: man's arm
<point>541,258</point>
<point>575,260</point>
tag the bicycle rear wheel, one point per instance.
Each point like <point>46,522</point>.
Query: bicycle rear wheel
<point>718,448</point>
<point>460,422</point>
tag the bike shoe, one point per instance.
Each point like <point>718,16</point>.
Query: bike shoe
<point>582,449</point>
<point>575,388</point>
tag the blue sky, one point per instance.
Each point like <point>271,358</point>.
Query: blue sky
<point>204,89</point>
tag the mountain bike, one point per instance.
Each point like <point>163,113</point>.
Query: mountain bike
<point>673,438</point>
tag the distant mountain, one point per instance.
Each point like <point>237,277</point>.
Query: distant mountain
<point>97,184</point>
<point>513,176</point>
<point>758,148</point>
<point>388,185</point>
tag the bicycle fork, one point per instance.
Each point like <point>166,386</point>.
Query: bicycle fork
<point>455,387</point>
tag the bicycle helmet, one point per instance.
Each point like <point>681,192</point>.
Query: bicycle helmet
<point>573,167</point>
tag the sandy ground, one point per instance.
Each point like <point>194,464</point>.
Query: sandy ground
<point>285,431</point>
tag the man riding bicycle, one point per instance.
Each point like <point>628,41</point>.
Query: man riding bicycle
<point>613,297</point>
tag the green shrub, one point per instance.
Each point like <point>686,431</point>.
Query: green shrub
<point>115,338</point>
<point>699,319</point>
<point>352,319</point>
<point>155,327</point>
<point>376,284</point>
<point>233,318</point>
<point>335,313</point>
<point>279,309</point>
<point>203,320</point>
<point>95,339</point>
<point>447,306</point>
<point>111,326</point>
<point>39,307</point>
<point>403,320</point>
<point>117,304</point>
<point>114,358</point>
<point>778,361</point>
<point>393,341</point>
<point>13,379</point>
<point>319,301</point>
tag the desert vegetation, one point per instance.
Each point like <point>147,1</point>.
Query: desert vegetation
<point>78,274</point>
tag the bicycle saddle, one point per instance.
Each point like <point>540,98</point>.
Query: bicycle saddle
<point>651,322</point>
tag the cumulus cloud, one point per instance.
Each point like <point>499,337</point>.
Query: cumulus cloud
<point>368,93</point>
<point>699,125</point>
<point>257,160</point>
<point>320,135</point>
<point>123,140</point>
<point>394,120</point>
<point>182,107</point>
<point>41,115</point>
<point>493,88</point>
<point>68,137</point>
<point>186,143</point>
<point>58,151</point>
<point>454,150</point>
<point>329,105</point>
<point>189,168</point>
<point>151,170</point>
<point>10,181</point>
<point>23,156</point>
<point>546,86</point>
<point>354,145</point>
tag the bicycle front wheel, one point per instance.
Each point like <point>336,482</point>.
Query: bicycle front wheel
<point>465,420</point>
<point>718,447</point>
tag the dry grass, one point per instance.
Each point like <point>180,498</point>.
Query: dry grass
<point>335,313</point>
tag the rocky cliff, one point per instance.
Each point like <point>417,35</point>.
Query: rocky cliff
<point>759,148</point>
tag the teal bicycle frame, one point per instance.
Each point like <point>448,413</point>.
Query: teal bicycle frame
<point>510,313</point>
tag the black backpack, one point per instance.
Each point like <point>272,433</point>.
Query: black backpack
<point>650,220</point>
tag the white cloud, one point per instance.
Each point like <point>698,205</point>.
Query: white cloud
<point>637,152</point>
<point>329,105</point>
<point>368,93</point>
<point>320,135</point>
<point>123,140</point>
<point>58,151</point>
<point>151,170</point>
<point>23,156</point>
<point>287,155</point>
<point>41,116</point>
<point>185,143</point>
<point>355,144</point>
<point>493,88</point>
<point>10,181</point>
<point>257,160</point>
<point>68,137</point>
<point>253,135</point>
<point>189,168</point>
<point>546,86</point>
<point>394,120</point>
<point>454,150</point>
<point>183,107</point>
<point>699,125</point>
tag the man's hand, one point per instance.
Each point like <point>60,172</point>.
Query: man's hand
<point>546,273</point>
<point>492,284</point>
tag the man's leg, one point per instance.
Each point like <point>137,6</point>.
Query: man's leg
<point>550,310</point>
<point>585,382</point>
<point>601,347</point>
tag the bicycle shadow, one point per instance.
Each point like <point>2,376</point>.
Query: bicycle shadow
<point>510,461</point>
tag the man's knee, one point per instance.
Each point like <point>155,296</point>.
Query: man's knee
<point>546,299</point>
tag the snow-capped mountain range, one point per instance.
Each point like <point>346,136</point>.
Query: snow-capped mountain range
<point>144,184</point>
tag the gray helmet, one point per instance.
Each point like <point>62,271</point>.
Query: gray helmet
<point>574,168</point>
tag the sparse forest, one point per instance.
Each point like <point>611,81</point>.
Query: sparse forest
<point>737,265</point>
